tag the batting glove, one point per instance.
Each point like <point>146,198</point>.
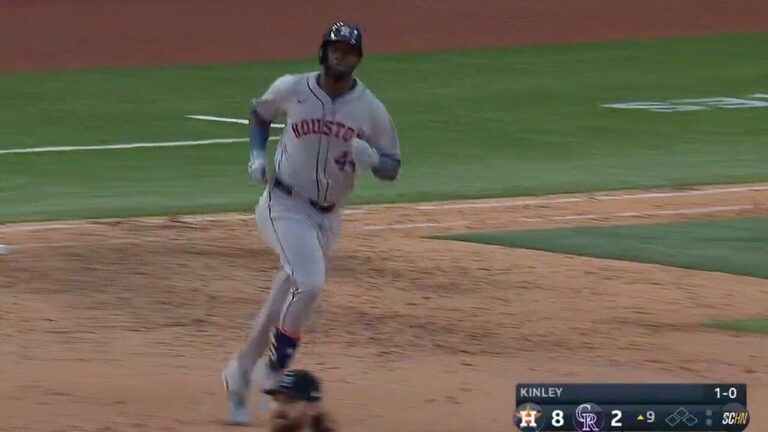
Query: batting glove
<point>257,167</point>
<point>364,154</point>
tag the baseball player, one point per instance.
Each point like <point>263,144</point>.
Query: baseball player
<point>335,128</point>
<point>296,405</point>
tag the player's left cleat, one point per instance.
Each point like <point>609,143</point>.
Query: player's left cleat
<point>267,378</point>
<point>269,369</point>
<point>237,388</point>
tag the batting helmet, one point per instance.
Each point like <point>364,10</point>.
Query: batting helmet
<point>341,32</point>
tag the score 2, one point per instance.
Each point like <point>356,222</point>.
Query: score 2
<point>616,419</point>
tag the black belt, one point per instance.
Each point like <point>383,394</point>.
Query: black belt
<point>288,190</point>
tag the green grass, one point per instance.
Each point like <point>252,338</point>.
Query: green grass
<point>472,123</point>
<point>742,325</point>
<point>737,246</point>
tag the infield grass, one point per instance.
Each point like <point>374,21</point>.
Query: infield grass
<point>736,246</point>
<point>743,325</point>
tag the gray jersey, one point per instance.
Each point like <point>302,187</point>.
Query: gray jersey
<point>314,154</point>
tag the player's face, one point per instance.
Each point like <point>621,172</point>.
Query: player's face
<point>288,414</point>
<point>343,58</point>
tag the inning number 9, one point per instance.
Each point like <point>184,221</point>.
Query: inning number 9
<point>557,418</point>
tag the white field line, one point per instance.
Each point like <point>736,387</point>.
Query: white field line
<point>41,226</point>
<point>152,240</point>
<point>227,120</point>
<point>127,146</point>
<point>144,145</point>
<point>33,226</point>
<point>512,202</point>
<point>413,225</point>
<point>699,210</point>
<point>86,242</point>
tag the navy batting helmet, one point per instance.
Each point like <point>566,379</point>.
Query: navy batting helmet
<point>341,32</point>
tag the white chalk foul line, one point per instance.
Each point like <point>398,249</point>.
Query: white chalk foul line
<point>227,120</point>
<point>33,226</point>
<point>510,203</point>
<point>144,145</point>
<point>413,225</point>
<point>699,210</point>
<point>504,203</point>
<point>101,242</point>
<point>39,226</point>
<point>127,146</point>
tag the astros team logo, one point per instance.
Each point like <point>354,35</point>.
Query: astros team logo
<point>588,417</point>
<point>529,418</point>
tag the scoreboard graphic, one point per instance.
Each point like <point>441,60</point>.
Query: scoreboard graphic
<point>631,407</point>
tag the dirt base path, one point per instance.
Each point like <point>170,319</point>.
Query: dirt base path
<point>123,325</point>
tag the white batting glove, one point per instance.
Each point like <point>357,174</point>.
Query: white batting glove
<point>364,154</point>
<point>257,167</point>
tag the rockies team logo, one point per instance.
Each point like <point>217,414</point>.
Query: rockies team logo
<point>529,418</point>
<point>588,417</point>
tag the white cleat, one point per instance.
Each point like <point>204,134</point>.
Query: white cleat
<point>237,394</point>
<point>268,378</point>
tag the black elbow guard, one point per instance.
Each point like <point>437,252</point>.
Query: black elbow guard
<point>387,169</point>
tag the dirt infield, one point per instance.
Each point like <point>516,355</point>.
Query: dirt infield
<point>122,325</point>
<point>37,34</point>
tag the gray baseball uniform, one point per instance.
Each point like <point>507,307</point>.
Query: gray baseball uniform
<point>314,162</point>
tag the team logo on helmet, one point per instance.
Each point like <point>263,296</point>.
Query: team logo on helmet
<point>342,32</point>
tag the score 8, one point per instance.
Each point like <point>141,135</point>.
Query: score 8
<point>557,418</point>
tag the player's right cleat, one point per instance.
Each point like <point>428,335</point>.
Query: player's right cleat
<point>282,348</point>
<point>237,394</point>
